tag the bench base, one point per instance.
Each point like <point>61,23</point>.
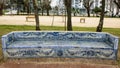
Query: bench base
<point>60,52</point>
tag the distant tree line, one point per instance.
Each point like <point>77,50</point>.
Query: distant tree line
<point>26,6</point>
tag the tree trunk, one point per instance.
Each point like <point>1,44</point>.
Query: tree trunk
<point>1,12</point>
<point>74,13</point>
<point>42,12</point>
<point>28,9</point>
<point>57,12</point>
<point>117,3</point>
<point>117,11</point>
<point>1,9</point>
<point>36,15</point>
<point>69,23</point>
<point>100,26</point>
<point>18,9</point>
<point>88,12</point>
<point>47,12</point>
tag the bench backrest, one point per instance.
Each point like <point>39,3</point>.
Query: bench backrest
<point>60,36</point>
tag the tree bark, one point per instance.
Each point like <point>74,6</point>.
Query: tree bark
<point>18,11</point>
<point>36,15</point>
<point>47,12</point>
<point>69,22</point>
<point>1,9</point>
<point>117,3</point>
<point>88,12</point>
<point>100,26</point>
<point>27,6</point>
<point>42,11</point>
<point>28,9</point>
<point>117,11</point>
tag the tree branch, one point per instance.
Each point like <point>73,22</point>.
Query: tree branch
<point>117,3</point>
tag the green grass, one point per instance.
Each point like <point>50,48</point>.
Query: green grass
<point>4,29</point>
<point>8,28</point>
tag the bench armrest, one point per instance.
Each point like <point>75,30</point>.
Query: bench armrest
<point>114,40</point>
<point>7,40</point>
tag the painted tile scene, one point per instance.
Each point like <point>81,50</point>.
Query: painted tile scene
<point>59,33</point>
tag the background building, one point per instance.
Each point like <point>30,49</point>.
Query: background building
<point>110,7</point>
<point>58,6</point>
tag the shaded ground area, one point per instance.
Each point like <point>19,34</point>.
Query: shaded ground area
<point>53,64</point>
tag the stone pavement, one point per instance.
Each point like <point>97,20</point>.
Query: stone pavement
<point>59,21</point>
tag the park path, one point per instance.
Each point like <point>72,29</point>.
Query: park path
<point>59,21</point>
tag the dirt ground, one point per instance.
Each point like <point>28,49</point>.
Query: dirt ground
<point>59,21</point>
<point>53,64</point>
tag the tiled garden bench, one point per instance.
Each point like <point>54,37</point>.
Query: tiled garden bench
<point>32,44</point>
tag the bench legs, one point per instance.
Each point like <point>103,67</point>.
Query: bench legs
<point>5,57</point>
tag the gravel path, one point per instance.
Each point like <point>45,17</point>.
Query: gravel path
<point>32,64</point>
<point>59,21</point>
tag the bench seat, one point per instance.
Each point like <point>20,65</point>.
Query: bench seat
<point>59,43</point>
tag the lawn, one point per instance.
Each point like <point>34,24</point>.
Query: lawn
<point>4,29</point>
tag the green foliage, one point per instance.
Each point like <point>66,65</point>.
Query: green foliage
<point>75,10</point>
<point>96,10</point>
<point>46,5</point>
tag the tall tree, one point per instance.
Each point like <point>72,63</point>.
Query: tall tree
<point>36,14</point>
<point>1,6</point>
<point>26,3</point>
<point>87,4</point>
<point>111,8</point>
<point>42,8</point>
<point>100,26</point>
<point>68,7</point>
<point>18,6</point>
<point>46,6</point>
<point>74,10</point>
<point>57,10</point>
